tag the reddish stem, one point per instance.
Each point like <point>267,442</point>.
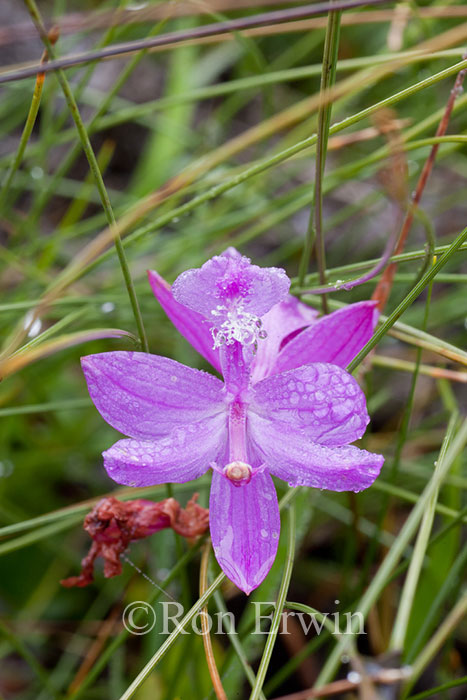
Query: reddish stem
<point>383,288</point>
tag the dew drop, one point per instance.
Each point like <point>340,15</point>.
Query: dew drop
<point>33,327</point>
<point>354,677</point>
<point>107,307</point>
<point>37,173</point>
<point>6,468</point>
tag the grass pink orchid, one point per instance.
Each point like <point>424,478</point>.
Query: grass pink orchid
<point>286,407</point>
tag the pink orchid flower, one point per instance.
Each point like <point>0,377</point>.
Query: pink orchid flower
<point>286,407</point>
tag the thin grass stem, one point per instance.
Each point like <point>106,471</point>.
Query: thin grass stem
<point>453,619</point>
<point>315,225</point>
<point>399,630</point>
<point>389,563</point>
<point>409,299</point>
<point>278,609</point>
<point>89,152</point>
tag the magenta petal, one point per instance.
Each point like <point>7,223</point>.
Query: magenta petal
<point>292,456</point>
<point>336,338</point>
<point>323,400</point>
<point>230,279</point>
<point>235,363</point>
<point>245,525</point>
<point>280,323</point>
<point>145,396</point>
<point>183,455</point>
<point>189,323</point>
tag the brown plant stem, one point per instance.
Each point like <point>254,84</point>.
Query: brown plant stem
<point>217,28</point>
<point>384,677</point>
<point>383,288</point>
<point>95,20</point>
<point>211,662</point>
<point>183,179</point>
<point>53,36</point>
<point>103,634</point>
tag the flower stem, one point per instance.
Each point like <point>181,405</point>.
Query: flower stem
<point>203,585</point>
<point>282,595</point>
<point>233,638</point>
<point>88,150</point>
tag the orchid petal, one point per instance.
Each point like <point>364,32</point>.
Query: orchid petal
<point>280,323</point>
<point>293,457</point>
<point>324,400</point>
<point>183,455</point>
<point>235,364</point>
<point>190,324</point>
<point>336,338</point>
<point>145,396</point>
<point>227,278</point>
<point>245,526</point>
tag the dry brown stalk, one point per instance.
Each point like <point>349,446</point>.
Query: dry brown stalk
<point>211,662</point>
<point>383,288</point>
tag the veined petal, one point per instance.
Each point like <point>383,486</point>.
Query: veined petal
<point>336,338</point>
<point>145,396</point>
<point>182,456</point>
<point>245,525</point>
<point>293,457</point>
<point>190,324</point>
<point>323,400</point>
<point>280,323</point>
<point>235,366</point>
